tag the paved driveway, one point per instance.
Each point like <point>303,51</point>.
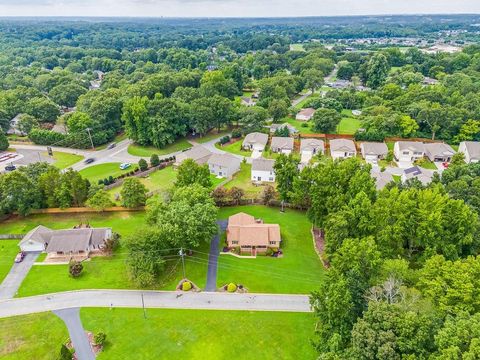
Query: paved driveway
<point>213,257</point>
<point>18,272</point>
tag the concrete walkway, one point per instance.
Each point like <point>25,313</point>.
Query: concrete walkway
<point>80,342</point>
<point>154,299</point>
<point>213,257</point>
<point>18,272</point>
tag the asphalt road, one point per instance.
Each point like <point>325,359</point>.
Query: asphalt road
<point>213,258</point>
<point>71,318</point>
<point>18,272</point>
<point>154,299</point>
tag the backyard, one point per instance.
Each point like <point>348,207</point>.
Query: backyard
<point>349,124</point>
<point>242,180</point>
<point>166,334</point>
<point>234,148</point>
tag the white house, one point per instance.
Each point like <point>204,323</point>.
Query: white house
<point>311,147</point>
<point>255,141</point>
<point>248,101</point>
<point>342,148</point>
<point>262,170</point>
<point>282,145</point>
<point>14,128</point>
<point>198,153</point>
<point>373,151</point>
<point>408,151</point>
<point>439,152</point>
<point>305,114</point>
<point>471,150</point>
<point>223,165</point>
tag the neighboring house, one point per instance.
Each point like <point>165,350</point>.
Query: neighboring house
<point>305,114</point>
<point>429,81</point>
<point>439,152</point>
<point>310,148</point>
<point>381,178</point>
<point>247,101</point>
<point>282,145</point>
<point>198,153</point>
<point>255,141</point>
<point>252,235</point>
<point>373,151</point>
<point>408,151</point>
<point>423,175</point>
<point>223,165</point>
<point>291,129</point>
<point>340,84</point>
<point>356,112</point>
<point>65,242</point>
<point>14,128</point>
<point>262,170</point>
<point>95,84</point>
<point>342,148</point>
<point>471,150</point>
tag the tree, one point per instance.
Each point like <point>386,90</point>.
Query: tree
<point>268,194</point>
<point>286,170</point>
<point>313,79</point>
<point>142,164</point>
<point>78,122</point>
<point>278,109</point>
<point>326,120</point>
<point>42,109</point>
<point>133,193</point>
<point>220,195</point>
<point>236,194</point>
<point>189,172</point>
<point>3,142</point>
<point>27,123</point>
<point>75,268</point>
<point>67,94</point>
<point>154,160</point>
<point>408,125</point>
<point>377,70</point>
<point>18,193</point>
<point>135,116</point>
<point>100,200</point>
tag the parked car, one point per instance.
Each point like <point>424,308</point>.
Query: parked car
<point>445,165</point>
<point>20,256</point>
<point>124,166</point>
<point>111,146</point>
<point>10,167</point>
<point>89,160</point>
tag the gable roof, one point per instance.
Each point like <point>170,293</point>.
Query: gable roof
<point>282,143</point>
<point>290,128</point>
<point>255,138</point>
<point>241,218</point>
<point>262,164</point>
<point>439,149</point>
<point>381,178</point>
<point>374,148</point>
<point>411,146</point>
<point>197,153</point>
<point>421,174</point>
<point>311,144</point>
<point>224,160</point>
<point>473,148</point>
<point>243,228</point>
<point>342,145</point>
<point>308,112</point>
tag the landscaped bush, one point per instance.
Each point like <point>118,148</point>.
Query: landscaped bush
<point>269,252</point>
<point>186,286</point>
<point>231,287</point>
<point>224,140</point>
<point>75,268</point>
<point>154,160</point>
<point>100,339</point>
<point>142,164</point>
<point>236,133</point>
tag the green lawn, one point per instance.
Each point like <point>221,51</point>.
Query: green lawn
<point>304,127</point>
<point>166,334</point>
<point>147,151</point>
<point>234,148</point>
<point>8,251</point>
<point>102,171</point>
<point>242,180</point>
<point>348,126</point>
<point>64,160</point>
<point>297,47</point>
<point>298,271</point>
<point>212,135</point>
<point>36,336</point>
<point>427,164</point>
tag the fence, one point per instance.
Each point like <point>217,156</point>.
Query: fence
<point>75,210</point>
<point>11,236</point>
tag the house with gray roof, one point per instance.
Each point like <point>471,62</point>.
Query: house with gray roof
<point>423,175</point>
<point>471,150</point>
<point>439,152</point>
<point>282,145</point>
<point>248,101</point>
<point>373,151</point>
<point>275,127</point>
<point>223,165</point>
<point>262,170</point>
<point>408,151</point>
<point>14,128</point>
<point>382,178</point>
<point>80,241</point>
<point>305,114</point>
<point>342,148</point>
<point>255,141</point>
<point>198,153</point>
<point>310,148</point>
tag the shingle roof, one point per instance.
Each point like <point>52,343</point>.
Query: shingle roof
<point>255,138</point>
<point>262,164</point>
<point>282,143</point>
<point>439,149</point>
<point>381,178</point>
<point>374,148</point>
<point>244,229</point>
<point>307,112</point>
<point>411,145</point>
<point>197,153</point>
<point>423,175</point>
<point>473,148</point>
<point>342,145</point>
<point>225,160</point>
<point>310,144</point>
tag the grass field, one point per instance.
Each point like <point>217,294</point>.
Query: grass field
<point>8,251</point>
<point>234,148</point>
<point>242,180</point>
<point>166,334</point>
<point>348,126</point>
<point>298,271</point>
<point>297,47</point>
<point>147,151</point>
<point>64,160</point>
<point>304,127</point>
<point>102,171</point>
<point>212,135</point>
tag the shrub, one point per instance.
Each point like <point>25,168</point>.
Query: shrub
<point>154,160</point>
<point>231,287</point>
<point>269,252</point>
<point>236,133</point>
<point>65,353</point>
<point>142,164</point>
<point>75,268</point>
<point>3,141</point>
<point>186,286</point>
<point>100,338</point>
<point>111,180</point>
<point>224,140</point>
<point>100,182</point>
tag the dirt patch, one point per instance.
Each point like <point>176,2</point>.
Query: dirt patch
<point>11,346</point>
<point>319,242</point>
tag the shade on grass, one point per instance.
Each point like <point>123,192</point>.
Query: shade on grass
<point>202,334</point>
<point>298,271</point>
<point>147,151</point>
<point>212,135</point>
<point>64,160</point>
<point>242,180</point>
<point>102,171</point>
<point>234,148</point>
<point>36,336</point>
<point>8,250</point>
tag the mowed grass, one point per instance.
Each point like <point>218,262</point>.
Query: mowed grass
<point>296,47</point>
<point>147,151</point>
<point>242,180</point>
<point>304,127</point>
<point>8,250</point>
<point>348,126</point>
<point>298,271</point>
<point>64,160</point>
<point>36,336</point>
<point>102,171</point>
<point>212,135</point>
<point>234,148</point>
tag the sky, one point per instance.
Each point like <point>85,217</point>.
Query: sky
<point>232,8</point>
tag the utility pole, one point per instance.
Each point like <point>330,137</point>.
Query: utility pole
<point>182,254</point>
<point>143,306</point>
<point>90,136</point>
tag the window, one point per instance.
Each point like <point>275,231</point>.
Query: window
<point>272,242</point>
<point>234,242</point>
<point>270,179</point>
<point>405,153</point>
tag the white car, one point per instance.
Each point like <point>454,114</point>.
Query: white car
<point>124,166</point>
